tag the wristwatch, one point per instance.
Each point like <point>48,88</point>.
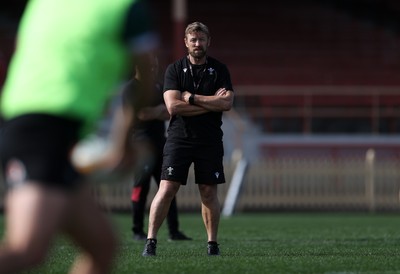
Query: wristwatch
<point>191,99</point>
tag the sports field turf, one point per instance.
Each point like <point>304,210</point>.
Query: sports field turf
<point>260,243</point>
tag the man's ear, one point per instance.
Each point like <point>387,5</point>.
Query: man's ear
<point>185,40</point>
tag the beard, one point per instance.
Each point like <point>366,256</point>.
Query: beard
<point>198,53</point>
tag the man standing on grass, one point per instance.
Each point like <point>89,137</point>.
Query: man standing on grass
<point>197,90</point>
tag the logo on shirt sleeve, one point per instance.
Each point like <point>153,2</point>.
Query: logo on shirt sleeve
<point>170,169</point>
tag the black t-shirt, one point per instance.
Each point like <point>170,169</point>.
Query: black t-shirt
<point>204,128</point>
<point>152,130</point>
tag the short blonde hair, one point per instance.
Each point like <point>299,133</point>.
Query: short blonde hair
<point>195,27</point>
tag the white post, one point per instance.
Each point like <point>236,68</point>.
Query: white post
<point>179,16</point>
<point>235,186</point>
<point>370,179</point>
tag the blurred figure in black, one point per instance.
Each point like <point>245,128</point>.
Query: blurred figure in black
<point>148,140</point>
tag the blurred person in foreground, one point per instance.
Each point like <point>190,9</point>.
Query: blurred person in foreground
<point>70,57</point>
<point>148,134</point>
<point>197,90</point>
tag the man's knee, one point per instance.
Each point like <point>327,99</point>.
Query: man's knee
<point>208,193</point>
<point>169,189</point>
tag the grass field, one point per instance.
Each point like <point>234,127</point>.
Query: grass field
<point>260,243</point>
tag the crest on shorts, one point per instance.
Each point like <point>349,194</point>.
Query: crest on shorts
<point>15,173</point>
<point>170,169</point>
<point>216,174</point>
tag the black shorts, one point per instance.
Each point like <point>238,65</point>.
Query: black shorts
<point>37,147</point>
<point>207,160</point>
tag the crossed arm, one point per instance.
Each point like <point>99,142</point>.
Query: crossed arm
<point>178,103</point>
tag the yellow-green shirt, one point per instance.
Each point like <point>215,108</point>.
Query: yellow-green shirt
<point>70,56</point>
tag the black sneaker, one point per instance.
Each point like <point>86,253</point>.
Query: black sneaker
<point>139,236</point>
<point>150,248</point>
<point>212,249</point>
<point>179,236</point>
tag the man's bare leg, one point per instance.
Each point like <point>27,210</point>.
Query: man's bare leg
<point>210,210</point>
<point>93,232</point>
<point>160,206</point>
<point>33,215</point>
